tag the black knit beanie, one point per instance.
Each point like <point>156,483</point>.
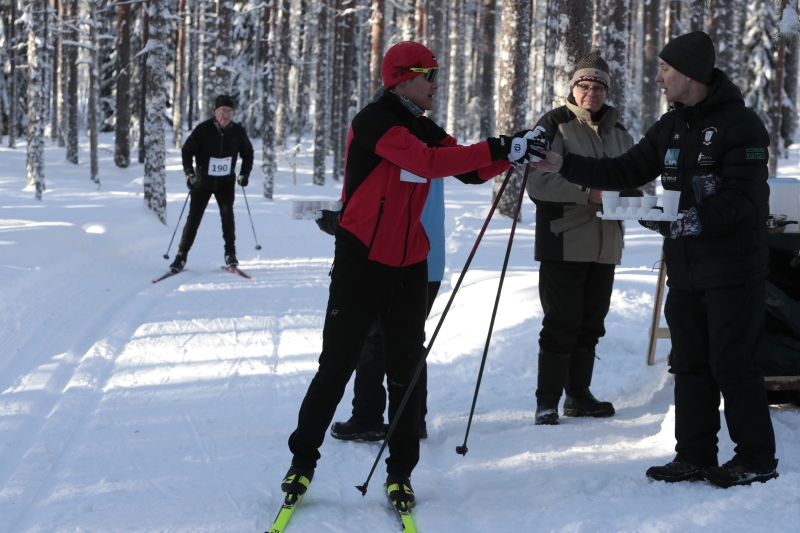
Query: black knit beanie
<point>592,68</point>
<point>691,54</point>
<point>223,100</point>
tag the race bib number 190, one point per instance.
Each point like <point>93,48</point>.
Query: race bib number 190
<point>219,167</point>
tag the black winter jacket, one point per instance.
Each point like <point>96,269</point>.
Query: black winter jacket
<point>717,136</point>
<point>207,141</point>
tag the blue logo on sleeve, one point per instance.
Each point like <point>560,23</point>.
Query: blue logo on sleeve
<point>671,158</point>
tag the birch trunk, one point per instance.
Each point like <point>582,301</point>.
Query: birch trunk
<point>179,92</point>
<point>322,94</point>
<point>72,84</point>
<point>37,57</point>
<point>94,92</point>
<point>122,145</point>
<point>268,165</point>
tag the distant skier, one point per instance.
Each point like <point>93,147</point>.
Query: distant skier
<point>214,145</point>
<point>393,151</point>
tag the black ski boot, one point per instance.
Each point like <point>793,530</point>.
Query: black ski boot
<point>230,260</point>
<point>179,263</point>
<point>297,480</point>
<point>553,369</point>
<point>353,430</point>
<point>675,470</point>
<point>580,401</point>
<point>738,472</point>
<point>398,487</point>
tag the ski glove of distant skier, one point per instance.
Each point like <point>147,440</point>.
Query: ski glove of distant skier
<point>518,150</point>
<point>191,180</point>
<point>683,227</point>
<point>243,180</point>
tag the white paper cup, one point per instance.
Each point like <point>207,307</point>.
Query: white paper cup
<point>297,209</point>
<point>634,201</point>
<point>623,202</point>
<point>336,206</point>
<point>610,201</point>
<point>671,200</point>
<point>649,202</point>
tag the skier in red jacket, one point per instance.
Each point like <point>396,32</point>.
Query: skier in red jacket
<point>380,267</point>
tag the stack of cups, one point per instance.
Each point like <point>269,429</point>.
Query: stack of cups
<point>671,200</point>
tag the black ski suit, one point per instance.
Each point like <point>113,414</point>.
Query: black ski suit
<point>206,144</point>
<point>715,306</point>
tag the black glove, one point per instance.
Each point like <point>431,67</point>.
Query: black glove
<point>243,179</point>
<point>516,149</point>
<point>191,180</point>
<point>329,221</point>
<point>663,228</point>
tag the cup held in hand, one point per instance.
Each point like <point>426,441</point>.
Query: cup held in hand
<point>670,201</point>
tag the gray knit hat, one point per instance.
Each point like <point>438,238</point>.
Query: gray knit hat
<point>592,68</point>
<point>691,54</point>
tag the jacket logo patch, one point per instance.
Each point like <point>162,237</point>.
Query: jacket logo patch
<point>671,158</point>
<point>676,137</point>
<point>668,179</point>
<point>705,159</point>
<point>755,153</point>
<point>707,134</point>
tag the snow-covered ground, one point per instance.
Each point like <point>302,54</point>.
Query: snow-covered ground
<point>128,406</point>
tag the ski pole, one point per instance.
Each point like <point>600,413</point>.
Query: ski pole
<point>166,255</point>
<point>258,246</point>
<point>463,448</point>
<point>390,431</point>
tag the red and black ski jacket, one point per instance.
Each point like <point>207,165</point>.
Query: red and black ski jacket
<point>381,210</point>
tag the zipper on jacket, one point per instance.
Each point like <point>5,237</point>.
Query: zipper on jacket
<point>408,226</point>
<point>377,223</point>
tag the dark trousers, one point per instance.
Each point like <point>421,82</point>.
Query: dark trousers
<point>715,338</point>
<point>369,395</point>
<point>575,299</point>
<point>359,289</point>
<point>197,206</point>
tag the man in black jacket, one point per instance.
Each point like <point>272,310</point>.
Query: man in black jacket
<point>214,145</point>
<point>712,149</point>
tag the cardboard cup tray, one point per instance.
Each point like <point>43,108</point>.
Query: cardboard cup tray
<point>633,213</point>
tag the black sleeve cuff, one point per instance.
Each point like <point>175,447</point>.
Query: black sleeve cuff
<point>498,151</point>
<point>565,166</point>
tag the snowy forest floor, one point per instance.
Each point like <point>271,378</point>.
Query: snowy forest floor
<point>128,406</point>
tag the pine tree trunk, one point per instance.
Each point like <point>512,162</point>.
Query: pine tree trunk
<point>284,113</point>
<point>122,147</point>
<point>268,165</point>
<point>94,91</point>
<point>144,88</point>
<point>376,55</point>
<point>346,86</point>
<point>550,47</point>
<point>515,43</point>
<point>574,41</point>
<point>775,140</point>
<point>438,24</point>
<point>723,33</point>
<point>304,73</point>
<point>55,101</point>
<point>322,94</point>
<point>194,62</point>
<point>487,71</point>
<point>72,84</point>
<point>179,92</point>
<point>674,26</point>
<point>651,92</point>
<point>789,123</point>
<point>12,89</point>
<point>337,96</point>
<point>456,107</point>
<point>224,41</point>
<point>37,56</point>
<point>614,17</point>
<point>207,68</point>
<point>155,193</point>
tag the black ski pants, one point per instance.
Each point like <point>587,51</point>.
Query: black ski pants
<point>197,206</point>
<point>369,395</point>
<point>575,299</point>
<point>359,289</point>
<point>715,336</point>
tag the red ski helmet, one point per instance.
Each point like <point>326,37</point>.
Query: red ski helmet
<point>401,57</point>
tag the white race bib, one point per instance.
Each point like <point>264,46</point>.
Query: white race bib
<point>219,167</point>
<point>405,175</point>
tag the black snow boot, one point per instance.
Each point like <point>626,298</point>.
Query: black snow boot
<point>553,369</point>
<point>230,260</point>
<point>580,401</point>
<point>179,263</point>
<point>297,480</point>
<point>354,430</point>
<point>738,472</point>
<point>398,487</point>
<point>676,470</point>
